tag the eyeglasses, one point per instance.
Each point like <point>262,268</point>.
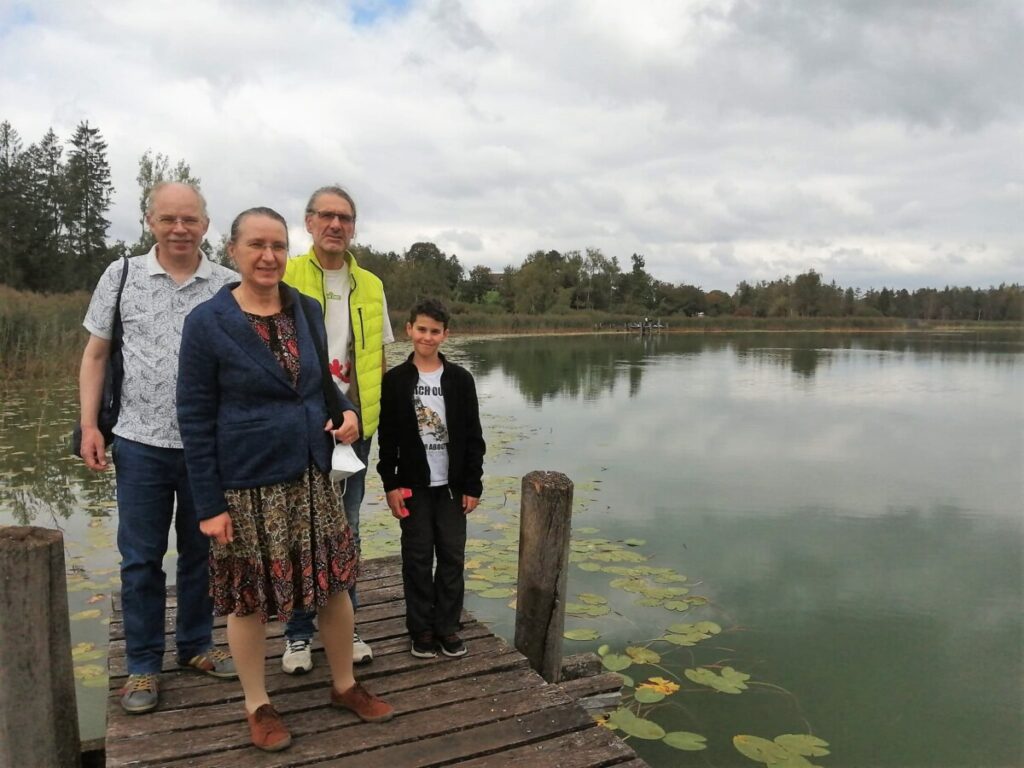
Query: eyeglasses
<point>328,216</point>
<point>185,221</point>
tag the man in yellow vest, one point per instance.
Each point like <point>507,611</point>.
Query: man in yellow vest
<point>356,316</point>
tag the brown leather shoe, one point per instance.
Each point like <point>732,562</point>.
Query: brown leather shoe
<point>368,708</point>
<point>267,731</point>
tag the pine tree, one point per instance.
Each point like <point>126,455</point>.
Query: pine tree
<point>87,199</point>
<point>14,185</point>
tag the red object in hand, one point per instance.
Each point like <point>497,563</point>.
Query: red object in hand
<point>406,494</point>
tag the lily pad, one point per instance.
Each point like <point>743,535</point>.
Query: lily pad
<point>616,662</point>
<point>648,696</point>
<point>730,681</point>
<point>803,744</point>
<point>90,613</point>
<point>581,634</point>
<point>760,750</point>
<point>639,727</point>
<point>592,599</point>
<point>641,655</point>
<point>685,740</point>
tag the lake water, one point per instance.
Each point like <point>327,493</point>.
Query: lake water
<point>846,509</point>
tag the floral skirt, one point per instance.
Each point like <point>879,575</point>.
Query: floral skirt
<point>292,549</point>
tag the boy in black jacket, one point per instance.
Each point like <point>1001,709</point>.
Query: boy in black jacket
<point>431,444</point>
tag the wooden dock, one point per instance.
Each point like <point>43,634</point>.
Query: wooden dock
<point>487,708</point>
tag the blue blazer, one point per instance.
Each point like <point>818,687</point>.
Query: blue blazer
<point>242,422</point>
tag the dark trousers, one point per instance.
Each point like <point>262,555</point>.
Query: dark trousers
<point>153,494</point>
<point>433,596</point>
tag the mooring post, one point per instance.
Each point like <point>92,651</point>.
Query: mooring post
<point>545,524</point>
<point>38,715</point>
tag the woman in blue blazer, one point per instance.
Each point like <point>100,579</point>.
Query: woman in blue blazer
<point>253,402</point>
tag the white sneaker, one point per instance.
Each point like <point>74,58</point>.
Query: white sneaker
<point>297,658</point>
<point>361,653</point>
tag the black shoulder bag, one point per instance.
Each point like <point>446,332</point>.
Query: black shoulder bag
<point>110,403</point>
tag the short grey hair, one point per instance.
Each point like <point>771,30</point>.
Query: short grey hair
<point>331,189</point>
<point>151,197</point>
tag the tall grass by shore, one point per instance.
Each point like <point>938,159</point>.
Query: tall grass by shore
<point>42,335</point>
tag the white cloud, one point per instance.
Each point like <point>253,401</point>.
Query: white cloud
<point>876,142</point>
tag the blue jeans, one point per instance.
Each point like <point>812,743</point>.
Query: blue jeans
<point>300,626</point>
<point>149,480</point>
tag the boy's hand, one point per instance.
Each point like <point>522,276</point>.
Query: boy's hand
<point>396,503</point>
<point>469,503</point>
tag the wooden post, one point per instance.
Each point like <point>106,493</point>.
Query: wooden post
<point>544,527</point>
<point>38,716</point>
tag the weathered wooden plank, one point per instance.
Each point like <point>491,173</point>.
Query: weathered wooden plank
<point>590,748</point>
<point>340,739</point>
<point>304,719</point>
<point>181,711</point>
<point>467,743</point>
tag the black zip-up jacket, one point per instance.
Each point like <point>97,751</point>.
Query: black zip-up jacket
<point>402,459</point>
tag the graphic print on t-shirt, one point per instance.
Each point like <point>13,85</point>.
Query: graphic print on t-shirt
<point>429,422</point>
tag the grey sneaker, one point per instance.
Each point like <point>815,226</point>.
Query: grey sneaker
<point>212,661</point>
<point>140,694</point>
<point>452,645</point>
<point>361,653</point>
<point>297,658</point>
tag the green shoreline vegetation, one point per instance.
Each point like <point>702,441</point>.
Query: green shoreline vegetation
<point>41,335</point>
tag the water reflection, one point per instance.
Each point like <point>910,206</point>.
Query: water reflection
<point>589,367</point>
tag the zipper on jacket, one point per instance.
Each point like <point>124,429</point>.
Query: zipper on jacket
<point>362,329</point>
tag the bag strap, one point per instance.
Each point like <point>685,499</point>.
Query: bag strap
<point>118,330</point>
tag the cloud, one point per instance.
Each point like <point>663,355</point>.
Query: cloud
<point>722,139</point>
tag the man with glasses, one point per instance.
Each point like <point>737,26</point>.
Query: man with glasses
<point>356,316</point>
<point>160,289</point>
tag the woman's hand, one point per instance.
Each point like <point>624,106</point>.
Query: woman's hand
<point>348,432</point>
<point>218,528</point>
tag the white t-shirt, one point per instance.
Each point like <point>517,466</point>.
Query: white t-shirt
<point>337,288</point>
<point>428,400</point>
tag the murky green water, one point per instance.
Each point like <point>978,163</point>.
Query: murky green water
<point>848,510</point>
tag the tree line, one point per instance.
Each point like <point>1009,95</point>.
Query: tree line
<point>54,199</point>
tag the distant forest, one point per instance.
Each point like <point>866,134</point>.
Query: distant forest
<point>54,199</point>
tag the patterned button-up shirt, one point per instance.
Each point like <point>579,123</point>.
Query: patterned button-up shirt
<point>153,310</point>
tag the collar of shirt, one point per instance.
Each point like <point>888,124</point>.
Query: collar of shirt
<point>203,271</point>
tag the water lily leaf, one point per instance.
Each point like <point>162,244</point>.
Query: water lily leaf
<point>670,578</point>
<point>581,634</point>
<point>592,599</point>
<point>730,681</point>
<point>636,726</point>
<point>760,750</point>
<point>497,592</point>
<point>649,602</point>
<point>627,681</point>
<point>648,695</point>
<point>618,556</point>
<point>90,613</point>
<point>616,662</point>
<point>697,600</point>
<point>803,744</point>
<point>685,740</point>
<point>642,655</point>
<point>589,567</point>
<point>629,584</point>
<point>96,599</point>
<point>684,640</point>
<point>586,611</point>
<point>708,627</point>
<point>477,585</point>
<point>86,652</point>
<point>634,542</point>
<point>663,593</point>
<point>87,671</point>
<point>680,606</point>
<point>588,531</point>
<point>603,649</point>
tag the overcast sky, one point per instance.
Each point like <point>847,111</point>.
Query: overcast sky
<point>880,142</point>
